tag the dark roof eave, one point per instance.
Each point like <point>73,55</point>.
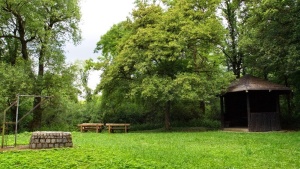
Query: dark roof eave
<point>270,90</point>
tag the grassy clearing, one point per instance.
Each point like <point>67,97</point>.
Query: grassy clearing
<point>164,150</point>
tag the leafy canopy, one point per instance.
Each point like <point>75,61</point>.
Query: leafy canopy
<point>164,55</point>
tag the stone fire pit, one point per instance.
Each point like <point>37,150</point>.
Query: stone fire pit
<point>50,139</point>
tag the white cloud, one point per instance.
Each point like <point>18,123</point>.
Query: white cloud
<point>98,16</point>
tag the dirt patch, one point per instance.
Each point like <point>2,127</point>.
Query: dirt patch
<point>236,129</point>
<point>12,148</point>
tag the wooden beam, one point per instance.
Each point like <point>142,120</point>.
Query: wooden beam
<point>222,110</point>
<point>248,108</point>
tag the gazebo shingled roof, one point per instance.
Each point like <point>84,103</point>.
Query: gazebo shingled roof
<point>249,82</point>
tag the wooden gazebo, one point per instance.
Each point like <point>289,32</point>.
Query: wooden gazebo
<point>252,103</point>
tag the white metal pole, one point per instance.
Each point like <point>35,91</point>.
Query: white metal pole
<point>17,114</point>
<point>3,128</point>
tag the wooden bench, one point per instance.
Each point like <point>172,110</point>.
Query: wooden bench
<point>117,126</point>
<point>91,126</point>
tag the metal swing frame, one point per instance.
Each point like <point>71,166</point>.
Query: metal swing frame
<point>17,103</point>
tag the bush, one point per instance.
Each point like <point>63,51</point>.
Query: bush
<point>290,122</point>
<point>208,123</point>
<point>146,126</point>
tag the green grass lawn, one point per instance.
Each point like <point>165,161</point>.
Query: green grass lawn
<point>164,150</point>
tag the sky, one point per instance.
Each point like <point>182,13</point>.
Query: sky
<point>98,16</point>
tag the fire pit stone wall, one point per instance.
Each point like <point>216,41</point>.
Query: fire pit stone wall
<point>50,139</point>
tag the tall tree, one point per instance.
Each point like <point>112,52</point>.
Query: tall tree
<point>272,38</point>
<point>169,55</point>
<point>39,28</point>
<point>60,22</point>
<point>15,23</point>
<point>232,12</point>
<point>114,92</point>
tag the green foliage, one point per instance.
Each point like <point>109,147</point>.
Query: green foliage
<point>14,80</point>
<point>164,150</point>
<point>205,122</point>
<point>233,17</point>
<point>272,30</point>
<point>148,126</point>
<point>32,38</point>
<point>162,56</point>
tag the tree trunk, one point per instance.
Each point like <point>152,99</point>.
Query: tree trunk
<point>22,34</point>
<point>233,55</point>
<point>167,115</point>
<point>37,113</point>
<point>202,107</point>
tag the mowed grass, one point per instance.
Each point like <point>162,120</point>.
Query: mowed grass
<point>215,149</point>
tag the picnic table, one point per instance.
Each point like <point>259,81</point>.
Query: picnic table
<point>91,126</point>
<point>117,126</point>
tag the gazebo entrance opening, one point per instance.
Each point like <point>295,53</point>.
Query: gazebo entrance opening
<point>236,110</point>
<point>261,103</point>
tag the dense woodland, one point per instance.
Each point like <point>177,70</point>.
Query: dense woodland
<point>164,66</point>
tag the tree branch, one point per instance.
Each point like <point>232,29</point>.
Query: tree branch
<point>9,36</point>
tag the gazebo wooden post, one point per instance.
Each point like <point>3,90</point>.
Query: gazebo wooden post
<point>222,110</point>
<point>248,108</point>
<point>277,105</point>
<point>277,115</point>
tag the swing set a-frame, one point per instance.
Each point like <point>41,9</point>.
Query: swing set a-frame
<point>17,121</point>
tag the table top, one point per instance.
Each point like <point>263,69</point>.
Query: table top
<point>91,124</point>
<point>117,124</point>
